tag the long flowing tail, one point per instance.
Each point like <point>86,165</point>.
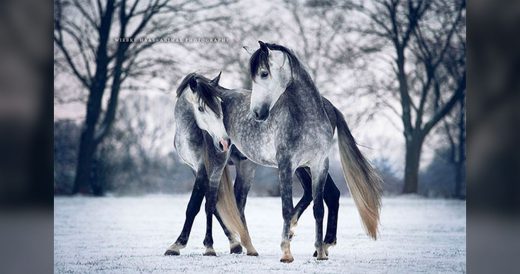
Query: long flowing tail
<point>363,181</point>
<point>228,210</point>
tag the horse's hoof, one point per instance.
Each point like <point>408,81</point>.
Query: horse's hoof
<point>316,253</point>
<point>322,258</point>
<point>170,252</point>
<point>210,253</point>
<point>236,249</point>
<point>287,259</point>
<point>254,253</point>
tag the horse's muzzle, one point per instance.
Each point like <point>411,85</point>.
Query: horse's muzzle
<point>261,114</point>
<point>224,144</point>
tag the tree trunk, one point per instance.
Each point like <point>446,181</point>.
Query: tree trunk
<point>88,142</point>
<point>412,159</point>
<point>84,164</point>
<point>87,145</point>
<point>460,172</point>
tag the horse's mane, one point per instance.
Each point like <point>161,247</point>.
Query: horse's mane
<point>261,58</point>
<point>201,86</point>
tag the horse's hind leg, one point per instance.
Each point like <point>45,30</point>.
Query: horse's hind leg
<point>319,172</point>
<point>331,196</point>
<point>305,179</point>
<point>192,210</point>
<point>234,244</point>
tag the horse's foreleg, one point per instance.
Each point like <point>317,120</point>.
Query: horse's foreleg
<point>244,179</point>
<point>192,210</point>
<point>285,174</point>
<point>211,201</point>
<point>319,177</point>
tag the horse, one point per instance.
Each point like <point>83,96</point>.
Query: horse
<point>206,153</point>
<point>285,123</point>
<point>245,171</point>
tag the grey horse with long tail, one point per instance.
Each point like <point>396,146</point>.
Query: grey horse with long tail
<point>284,123</point>
<point>190,141</point>
<point>245,169</point>
<point>207,154</point>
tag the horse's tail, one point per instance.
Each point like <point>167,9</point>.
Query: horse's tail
<point>228,211</point>
<point>363,181</point>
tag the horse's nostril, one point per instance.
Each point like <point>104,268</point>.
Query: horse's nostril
<point>256,114</point>
<point>220,146</point>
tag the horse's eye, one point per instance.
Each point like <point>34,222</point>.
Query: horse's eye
<point>201,109</point>
<point>264,74</point>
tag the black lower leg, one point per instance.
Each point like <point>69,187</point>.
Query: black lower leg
<point>331,197</point>
<point>235,247</point>
<point>318,183</point>
<point>306,182</point>
<point>318,210</point>
<point>211,199</point>
<point>192,210</point>
<point>241,192</point>
<point>224,228</point>
<point>243,181</point>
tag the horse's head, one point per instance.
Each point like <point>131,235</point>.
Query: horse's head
<point>271,74</point>
<point>207,108</point>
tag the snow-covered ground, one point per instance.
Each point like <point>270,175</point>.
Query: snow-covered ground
<point>130,234</point>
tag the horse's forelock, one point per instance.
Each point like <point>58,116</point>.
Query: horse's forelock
<point>207,96</point>
<point>205,92</point>
<point>261,58</point>
<point>258,59</point>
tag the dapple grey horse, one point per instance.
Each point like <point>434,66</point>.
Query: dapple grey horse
<point>207,155</point>
<point>285,123</point>
<point>245,171</point>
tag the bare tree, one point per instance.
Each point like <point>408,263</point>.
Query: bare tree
<point>420,34</point>
<point>454,125</point>
<point>97,42</point>
<point>454,130</point>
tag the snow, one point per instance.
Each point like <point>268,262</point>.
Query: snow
<point>130,235</point>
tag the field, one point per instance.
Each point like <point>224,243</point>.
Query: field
<point>130,235</point>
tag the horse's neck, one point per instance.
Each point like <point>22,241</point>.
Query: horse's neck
<point>184,116</point>
<point>230,96</point>
<point>306,93</point>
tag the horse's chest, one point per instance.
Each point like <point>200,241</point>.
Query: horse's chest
<point>260,148</point>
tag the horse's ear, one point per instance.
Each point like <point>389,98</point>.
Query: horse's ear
<point>193,84</point>
<point>263,46</point>
<point>216,79</point>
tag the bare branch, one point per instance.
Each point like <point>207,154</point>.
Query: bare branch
<point>457,95</point>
